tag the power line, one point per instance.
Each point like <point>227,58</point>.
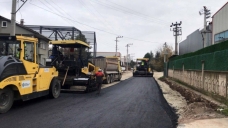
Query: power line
<point>139,13</point>
<point>83,4</point>
<point>89,25</point>
<point>101,16</point>
<point>58,11</point>
<point>126,11</point>
<point>61,10</point>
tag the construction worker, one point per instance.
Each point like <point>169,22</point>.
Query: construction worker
<point>18,51</point>
<point>99,79</point>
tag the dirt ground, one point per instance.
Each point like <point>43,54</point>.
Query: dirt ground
<point>189,105</point>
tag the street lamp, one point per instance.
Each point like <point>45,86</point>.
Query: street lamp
<point>116,42</point>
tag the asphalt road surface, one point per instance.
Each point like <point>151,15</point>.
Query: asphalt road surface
<point>133,103</point>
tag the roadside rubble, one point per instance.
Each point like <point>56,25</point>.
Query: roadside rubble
<point>188,105</point>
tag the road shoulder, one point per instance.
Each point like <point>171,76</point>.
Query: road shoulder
<point>193,108</point>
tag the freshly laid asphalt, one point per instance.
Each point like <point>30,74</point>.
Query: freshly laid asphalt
<point>136,102</point>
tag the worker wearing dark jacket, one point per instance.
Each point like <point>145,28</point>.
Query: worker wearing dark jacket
<point>99,79</point>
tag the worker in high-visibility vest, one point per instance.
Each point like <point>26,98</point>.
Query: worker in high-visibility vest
<point>18,54</point>
<point>18,51</point>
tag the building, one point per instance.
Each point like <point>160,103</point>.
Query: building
<point>194,41</point>
<point>5,29</point>
<point>220,25</point>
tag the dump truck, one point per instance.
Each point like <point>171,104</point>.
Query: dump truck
<point>110,66</point>
<point>21,76</point>
<point>70,57</point>
<point>142,68</point>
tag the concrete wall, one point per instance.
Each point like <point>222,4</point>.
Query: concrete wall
<point>219,21</point>
<point>42,50</point>
<point>213,82</point>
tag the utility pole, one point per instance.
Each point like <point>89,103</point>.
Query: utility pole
<point>176,32</point>
<point>165,51</point>
<point>116,43</point>
<point>207,14</point>
<point>128,45</point>
<point>13,15</point>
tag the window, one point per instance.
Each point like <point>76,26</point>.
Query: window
<point>221,37</point>
<point>226,35</point>
<point>29,51</point>
<point>10,48</point>
<point>216,37</point>
<point>4,23</point>
<point>42,45</point>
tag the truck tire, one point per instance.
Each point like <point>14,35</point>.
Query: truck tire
<point>6,99</point>
<point>107,80</point>
<point>114,78</point>
<point>111,78</point>
<point>55,88</point>
<point>119,77</point>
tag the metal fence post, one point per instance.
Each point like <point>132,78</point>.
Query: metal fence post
<point>202,79</point>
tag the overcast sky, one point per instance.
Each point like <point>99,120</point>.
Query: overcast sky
<point>145,23</point>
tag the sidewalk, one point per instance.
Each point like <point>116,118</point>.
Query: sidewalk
<point>201,123</point>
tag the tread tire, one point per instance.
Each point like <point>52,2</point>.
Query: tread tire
<point>55,88</point>
<point>6,105</point>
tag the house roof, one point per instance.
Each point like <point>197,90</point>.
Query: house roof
<point>36,34</point>
<point>48,27</point>
<point>220,9</point>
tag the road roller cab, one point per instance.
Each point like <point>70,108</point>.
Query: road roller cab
<point>21,76</point>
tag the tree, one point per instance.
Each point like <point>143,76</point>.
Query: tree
<point>151,55</point>
<point>81,37</point>
<point>158,62</point>
<point>157,55</point>
<point>147,55</point>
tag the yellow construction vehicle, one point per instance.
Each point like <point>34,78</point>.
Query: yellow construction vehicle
<point>70,57</point>
<point>21,77</point>
<point>142,68</point>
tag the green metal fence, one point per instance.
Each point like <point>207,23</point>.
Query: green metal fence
<point>214,57</point>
